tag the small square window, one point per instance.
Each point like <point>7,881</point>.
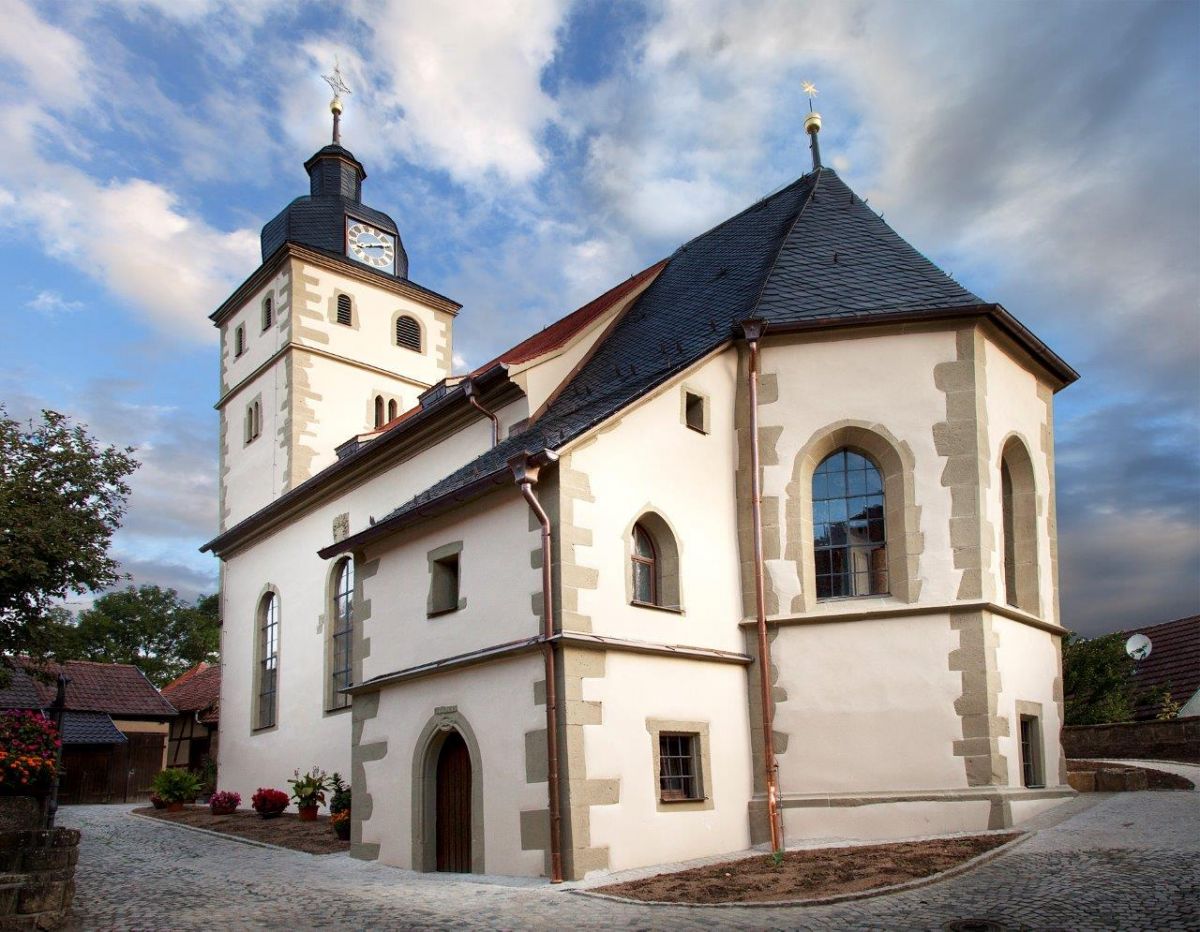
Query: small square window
<point>679,777</point>
<point>443,586</point>
<point>694,412</point>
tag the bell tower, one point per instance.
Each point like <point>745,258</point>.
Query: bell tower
<point>327,341</point>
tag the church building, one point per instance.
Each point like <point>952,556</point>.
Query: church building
<point>758,546</point>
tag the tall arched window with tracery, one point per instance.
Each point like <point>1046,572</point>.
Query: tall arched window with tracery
<point>342,634</point>
<point>849,536</point>
<point>266,700</point>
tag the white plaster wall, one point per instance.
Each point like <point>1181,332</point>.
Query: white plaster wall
<point>346,407</point>
<point>870,706</point>
<point>886,380</point>
<point>1028,664</point>
<point>288,560</point>
<point>496,579</point>
<point>255,472</point>
<point>649,460</point>
<point>497,702</point>
<point>633,689</point>
<point>260,344</point>
<point>886,821</point>
<point>373,340</point>
<point>1014,407</point>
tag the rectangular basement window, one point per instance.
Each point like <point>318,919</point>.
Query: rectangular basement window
<point>679,768</point>
<point>443,592</point>
<point>693,412</point>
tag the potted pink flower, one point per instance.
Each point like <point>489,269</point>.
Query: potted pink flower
<point>224,802</point>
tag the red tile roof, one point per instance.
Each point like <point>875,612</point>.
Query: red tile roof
<point>119,689</point>
<point>1174,660</point>
<point>563,329</point>
<point>556,334</point>
<point>198,690</point>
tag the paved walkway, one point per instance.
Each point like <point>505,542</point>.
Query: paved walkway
<point>1121,861</point>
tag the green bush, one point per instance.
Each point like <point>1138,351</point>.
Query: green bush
<point>176,786</point>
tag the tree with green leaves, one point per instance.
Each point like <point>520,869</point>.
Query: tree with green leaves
<point>1097,680</point>
<point>149,627</point>
<point>62,496</point>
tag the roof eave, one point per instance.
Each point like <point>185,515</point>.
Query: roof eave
<point>231,537</point>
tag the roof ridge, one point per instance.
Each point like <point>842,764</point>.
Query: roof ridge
<point>762,286</point>
<point>771,195</point>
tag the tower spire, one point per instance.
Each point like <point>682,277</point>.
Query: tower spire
<point>812,123</point>
<point>338,86</point>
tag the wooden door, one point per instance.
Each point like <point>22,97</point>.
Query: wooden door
<point>143,761</point>
<point>453,810</point>
<point>87,773</point>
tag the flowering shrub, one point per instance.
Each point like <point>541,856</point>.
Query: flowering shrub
<point>339,817</point>
<point>269,801</point>
<point>28,747</point>
<point>225,799</point>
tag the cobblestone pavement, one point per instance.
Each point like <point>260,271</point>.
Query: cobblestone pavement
<point>1121,861</point>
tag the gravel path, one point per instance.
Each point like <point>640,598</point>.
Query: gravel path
<point>1122,861</point>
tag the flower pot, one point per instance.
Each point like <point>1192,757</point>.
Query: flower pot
<point>275,814</point>
<point>308,813</point>
<point>342,830</point>
<point>223,810</point>
<point>158,802</point>
<point>175,806</point>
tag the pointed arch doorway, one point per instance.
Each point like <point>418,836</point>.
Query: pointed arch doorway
<point>452,806</point>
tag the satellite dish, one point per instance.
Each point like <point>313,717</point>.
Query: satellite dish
<point>1138,647</point>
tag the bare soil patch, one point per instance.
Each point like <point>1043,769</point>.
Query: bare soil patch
<point>285,830</point>
<point>1156,779</point>
<point>812,874</point>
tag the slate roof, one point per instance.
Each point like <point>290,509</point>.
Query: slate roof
<point>1174,661</point>
<point>90,728</point>
<point>198,690</point>
<point>21,692</point>
<point>810,252</point>
<point>119,689</point>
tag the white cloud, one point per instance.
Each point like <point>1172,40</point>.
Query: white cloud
<point>457,86</point>
<point>52,303</point>
<point>53,63</point>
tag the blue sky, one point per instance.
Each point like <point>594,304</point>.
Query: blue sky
<point>536,151</point>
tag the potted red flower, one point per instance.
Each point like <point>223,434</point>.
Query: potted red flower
<point>224,802</point>
<point>28,749</point>
<point>308,790</point>
<point>269,803</point>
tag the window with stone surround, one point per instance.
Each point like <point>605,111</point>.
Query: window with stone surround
<point>239,340</point>
<point>268,312</point>
<point>849,532</point>
<point>408,333</point>
<point>341,634</point>
<point>267,654</point>
<point>444,580</point>
<point>654,563</point>
<point>682,765</point>
<point>345,311</point>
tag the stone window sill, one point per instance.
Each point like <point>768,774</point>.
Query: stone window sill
<point>658,608</point>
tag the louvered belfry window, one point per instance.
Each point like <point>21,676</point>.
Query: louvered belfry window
<point>408,333</point>
<point>268,312</point>
<point>344,312</point>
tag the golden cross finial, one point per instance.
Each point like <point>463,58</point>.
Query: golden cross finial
<point>811,90</point>
<point>339,88</point>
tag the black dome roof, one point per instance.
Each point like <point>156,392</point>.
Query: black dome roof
<point>319,220</point>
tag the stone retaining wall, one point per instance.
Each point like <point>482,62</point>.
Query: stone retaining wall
<point>1176,739</point>
<point>37,868</point>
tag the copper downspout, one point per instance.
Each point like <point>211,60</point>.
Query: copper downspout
<point>472,394</point>
<point>753,330</point>
<point>525,471</point>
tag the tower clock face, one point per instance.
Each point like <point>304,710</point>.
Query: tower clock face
<point>370,246</point>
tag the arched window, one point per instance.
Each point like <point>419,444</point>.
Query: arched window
<point>239,340</point>
<point>393,410</point>
<point>268,661</point>
<point>345,314</point>
<point>378,411</point>
<point>645,567</point>
<point>253,420</point>
<point>654,563</point>
<point>408,333</point>
<point>849,537</point>
<point>342,632</point>
<point>1018,507</point>
<point>268,312</point>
